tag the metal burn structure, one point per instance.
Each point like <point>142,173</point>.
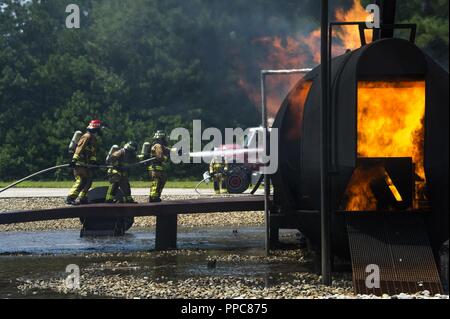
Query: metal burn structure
<point>386,159</point>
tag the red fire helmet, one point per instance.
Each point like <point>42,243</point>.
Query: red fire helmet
<point>94,124</point>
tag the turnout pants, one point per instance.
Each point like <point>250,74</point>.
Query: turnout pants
<point>158,180</point>
<point>219,183</point>
<point>83,183</point>
<point>119,181</point>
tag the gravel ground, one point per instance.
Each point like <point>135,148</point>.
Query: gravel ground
<point>109,280</point>
<point>123,279</point>
<point>194,220</point>
<point>304,286</point>
<point>132,287</point>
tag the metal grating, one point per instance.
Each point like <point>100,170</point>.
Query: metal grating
<point>398,244</point>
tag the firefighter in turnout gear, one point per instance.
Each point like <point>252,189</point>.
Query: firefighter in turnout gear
<point>85,154</point>
<point>160,151</point>
<point>119,174</point>
<point>217,170</point>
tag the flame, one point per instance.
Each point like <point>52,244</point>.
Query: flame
<point>281,54</point>
<point>349,35</point>
<point>392,187</point>
<point>359,194</point>
<point>313,43</point>
<point>391,121</point>
<point>297,102</point>
<point>298,51</point>
<point>390,124</point>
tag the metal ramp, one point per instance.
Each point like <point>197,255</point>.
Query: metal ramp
<point>398,244</point>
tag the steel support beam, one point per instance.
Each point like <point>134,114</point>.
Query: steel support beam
<point>166,232</point>
<point>388,10</point>
<point>325,149</point>
<point>266,177</point>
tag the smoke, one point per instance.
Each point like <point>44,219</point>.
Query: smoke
<point>229,42</point>
<point>266,35</point>
<point>233,40</point>
<point>287,40</point>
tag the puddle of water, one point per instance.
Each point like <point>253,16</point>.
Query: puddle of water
<point>50,252</point>
<point>14,270</point>
<point>69,241</point>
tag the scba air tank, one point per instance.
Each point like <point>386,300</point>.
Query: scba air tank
<point>74,142</point>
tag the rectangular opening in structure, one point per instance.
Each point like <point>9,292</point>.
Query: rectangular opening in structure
<point>390,124</point>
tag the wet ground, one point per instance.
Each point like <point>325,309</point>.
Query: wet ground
<point>33,258</point>
<point>69,241</point>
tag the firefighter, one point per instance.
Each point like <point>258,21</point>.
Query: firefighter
<point>161,152</point>
<point>84,154</point>
<point>119,174</point>
<point>218,169</point>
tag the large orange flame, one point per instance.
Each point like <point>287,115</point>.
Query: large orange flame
<point>390,124</point>
<point>297,103</point>
<point>390,120</point>
<point>349,35</point>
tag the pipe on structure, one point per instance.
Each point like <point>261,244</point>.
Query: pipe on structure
<point>265,73</point>
<point>266,177</point>
<point>285,72</point>
<point>324,143</point>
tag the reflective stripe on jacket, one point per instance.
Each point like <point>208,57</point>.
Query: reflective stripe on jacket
<point>157,168</point>
<point>159,152</point>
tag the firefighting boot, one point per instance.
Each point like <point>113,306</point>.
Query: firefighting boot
<point>70,201</point>
<point>113,201</point>
<point>82,201</point>
<point>130,200</point>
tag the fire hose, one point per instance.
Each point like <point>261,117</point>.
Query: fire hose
<point>260,180</point>
<point>54,168</point>
<point>200,183</point>
<point>207,176</point>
